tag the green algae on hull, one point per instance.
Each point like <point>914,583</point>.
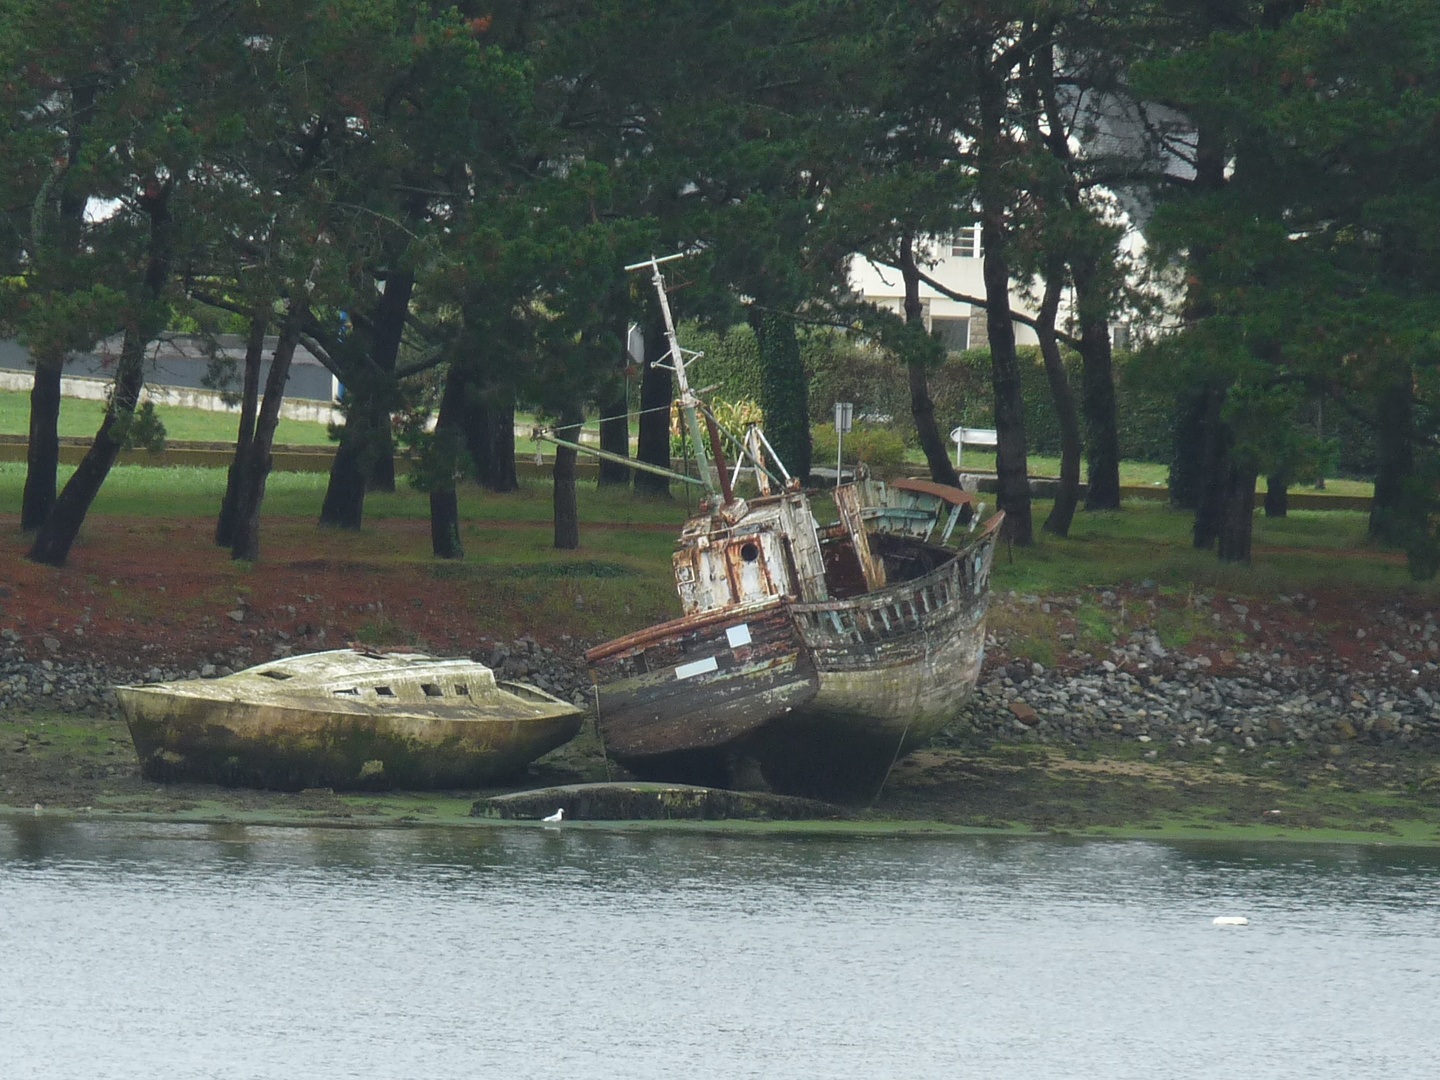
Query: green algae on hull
<point>653,802</point>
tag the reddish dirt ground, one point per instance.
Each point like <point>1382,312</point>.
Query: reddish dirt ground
<point>153,590</point>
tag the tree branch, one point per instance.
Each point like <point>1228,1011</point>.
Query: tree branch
<point>975,301</point>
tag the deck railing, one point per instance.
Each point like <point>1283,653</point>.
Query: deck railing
<point>900,609</point>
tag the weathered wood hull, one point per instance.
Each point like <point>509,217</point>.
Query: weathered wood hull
<point>186,737</point>
<point>675,699</point>
<point>856,684</point>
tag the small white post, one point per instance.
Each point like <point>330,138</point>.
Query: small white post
<point>844,416</point>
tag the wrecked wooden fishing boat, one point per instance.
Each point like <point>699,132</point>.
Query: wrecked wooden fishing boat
<point>348,719</point>
<point>809,657</point>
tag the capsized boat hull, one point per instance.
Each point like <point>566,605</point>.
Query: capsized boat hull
<point>205,731</point>
<point>891,668</point>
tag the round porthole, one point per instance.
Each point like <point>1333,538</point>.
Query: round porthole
<point>750,552</point>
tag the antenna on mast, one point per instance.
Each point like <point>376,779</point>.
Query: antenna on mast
<point>712,466</point>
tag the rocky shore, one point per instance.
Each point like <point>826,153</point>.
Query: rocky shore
<point>1289,689</point>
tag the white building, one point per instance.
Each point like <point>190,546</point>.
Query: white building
<point>957,263</point>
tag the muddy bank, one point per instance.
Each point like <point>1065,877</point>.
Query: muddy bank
<point>1106,710</point>
<point>80,764</point>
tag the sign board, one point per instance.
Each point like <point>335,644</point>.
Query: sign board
<point>844,416</point>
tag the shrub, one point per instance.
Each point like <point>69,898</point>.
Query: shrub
<point>872,444</point>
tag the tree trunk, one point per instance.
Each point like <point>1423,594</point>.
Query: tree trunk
<point>487,422</point>
<point>444,503</point>
<point>380,476</point>
<point>656,393</point>
<point>1395,458</point>
<point>615,439</point>
<point>249,405</point>
<point>784,390</point>
<point>1277,495</point>
<point>57,535</point>
<point>257,463</point>
<point>390,317</point>
<point>344,505</point>
<point>1214,470</point>
<point>1102,431</point>
<point>922,406</point>
<point>42,457</point>
<point>1237,522</point>
<point>995,151</point>
<point>1068,495</point>
<point>1011,464</point>
<point>1187,457</point>
<point>1201,458</point>
<point>490,436</point>
<point>567,506</point>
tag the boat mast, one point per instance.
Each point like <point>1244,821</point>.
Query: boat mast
<point>712,469</point>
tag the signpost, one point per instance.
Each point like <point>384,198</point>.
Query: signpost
<point>844,417</point>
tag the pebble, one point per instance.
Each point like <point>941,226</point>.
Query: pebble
<point>1256,701</point>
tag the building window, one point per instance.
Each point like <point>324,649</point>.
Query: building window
<point>953,333</point>
<point>967,243</point>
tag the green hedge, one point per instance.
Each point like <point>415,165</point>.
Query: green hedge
<point>844,369</point>
<point>961,391</point>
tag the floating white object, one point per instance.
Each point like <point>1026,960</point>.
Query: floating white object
<point>1231,920</point>
<point>558,815</point>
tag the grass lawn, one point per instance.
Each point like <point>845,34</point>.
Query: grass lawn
<point>1306,550</point>
<point>81,419</point>
<point>1138,473</point>
<point>190,491</point>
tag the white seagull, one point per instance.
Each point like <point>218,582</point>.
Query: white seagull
<point>558,815</point>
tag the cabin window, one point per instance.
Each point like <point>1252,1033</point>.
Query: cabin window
<point>431,690</point>
<point>462,689</point>
<point>351,692</point>
<point>277,675</point>
<point>750,552</point>
<point>384,691</point>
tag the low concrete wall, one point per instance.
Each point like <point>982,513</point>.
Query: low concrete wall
<point>1044,487</point>
<point>185,397</point>
<point>219,456</point>
<point>318,458</point>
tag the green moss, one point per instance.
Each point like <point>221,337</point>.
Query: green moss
<point>1094,624</point>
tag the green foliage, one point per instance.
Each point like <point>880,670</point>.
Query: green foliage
<point>960,387</point>
<point>874,445</point>
<point>731,361</point>
<point>784,391</point>
<point>142,429</point>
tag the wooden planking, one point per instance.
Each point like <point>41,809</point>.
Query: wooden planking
<point>645,709</point>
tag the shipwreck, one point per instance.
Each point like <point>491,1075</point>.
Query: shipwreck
<point>347,719</point>
<point>809,656</point>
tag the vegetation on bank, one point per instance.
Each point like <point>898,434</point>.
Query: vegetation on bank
<point>622,567</point>
<point>84,767</point>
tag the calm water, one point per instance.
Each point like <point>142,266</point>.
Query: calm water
<point>227,951</point>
